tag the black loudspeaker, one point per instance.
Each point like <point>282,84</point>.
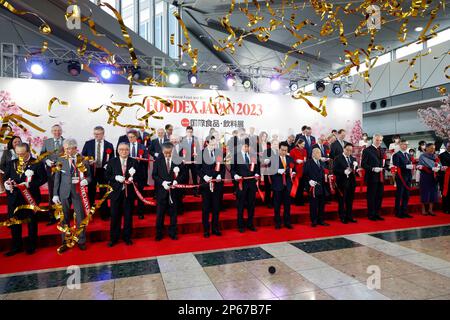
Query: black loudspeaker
<point>373,105</point>
<point>383,103</point>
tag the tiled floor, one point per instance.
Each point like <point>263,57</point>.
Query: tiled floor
<point>412,264</point>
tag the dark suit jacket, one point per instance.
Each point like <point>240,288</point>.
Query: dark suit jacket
<point>208,167</point>
<point>155,147</point>
<point>371,159</point>
<point>38,179</point>
<point>142,174</point>
<point>336,149</point>
<point>89,150</point>
<point>63,178</point>
<point>277,179</point>
<point>311,171</point>
<point>340,164</point>
<point>114,169</point>
<point>399,160</point>
<point>308,146</point>
<point>324,149</point>
<point>242,169</point>
<point>160,175</point>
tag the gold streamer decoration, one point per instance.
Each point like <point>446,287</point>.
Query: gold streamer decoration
<point>215,103</point>
<point>44,27</point>
<point>52,101</point>
<point>411,82</point>
<point>321,109</point>
<point>186,47</point>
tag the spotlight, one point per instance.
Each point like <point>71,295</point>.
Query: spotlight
<point>106,73</point>
<point>174,78</point>
<point>293,85</point>
<point>231,79</point>
<point>275,84</point>
<point>36,67</point>
<point>320,86</point>
<point>74,68</point>
<point>337,90</point>
<point>247,83</point>
<point>192,77</point>
<point>418,29</point>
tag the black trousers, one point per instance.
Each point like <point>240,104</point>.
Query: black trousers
<point>140,204</point>
<point>99,178</point>
<point>316,208</point>
<point>16,230</point>
<point>374,198</point>
<point>245,199</point>
<point>282,198</point>
<point>345,198</point>
<point>299,197</point>
<point>401,197</point>
<point>268,199</point>
<point>50,183</point>
<point>121,206</point>
<point>211,205</point>
<point>192,168</point>
<point>163,206</point>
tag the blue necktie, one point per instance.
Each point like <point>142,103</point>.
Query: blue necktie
<point>247,160</point>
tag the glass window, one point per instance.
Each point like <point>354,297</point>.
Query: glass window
<point>128,13</point>
<point>173,29</point>
<point>144,19</point>
<point>441,37</point>
<point>384,58</point>
<point>407,50</point>
<point>159,24</point>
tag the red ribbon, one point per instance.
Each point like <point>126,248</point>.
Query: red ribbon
<point>362,174</point>
<point>139,195</point>
<point>26,194</point>
<point>397,171</point>
<point>82,191</point>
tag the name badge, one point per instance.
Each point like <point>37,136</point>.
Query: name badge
<point>75,180</point>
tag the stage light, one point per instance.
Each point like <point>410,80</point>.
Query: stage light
<point>74,68</point>
<point>247,83</point>
<point>36,67</point>
<point>174,78</point>
<point>293,85</point>
<point>106,73</point>
<point>192,77</point>
<point>337,90</point>
<point>418,29</point>
<point>231,79</point>
<point>275,84</point>
<point>320,86</point>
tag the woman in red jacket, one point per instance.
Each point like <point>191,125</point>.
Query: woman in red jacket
<point>299,154</point>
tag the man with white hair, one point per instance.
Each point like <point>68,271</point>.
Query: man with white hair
<point>53,146</point>
<point>154,147</point>
<point>74,175</point>
<point>373,164</point>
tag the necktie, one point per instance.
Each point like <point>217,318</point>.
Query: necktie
<point>406,156</point>
<point>133,151</point>
<point>283,161</point>
<point>168,164</point>
<point>160,141</point>
<point>212,154</point>
<point>318,164</point>
<point>247,159</point>
<point>98,156</point>
<point>349,163</point>
<point>56,144</point>
<point>309,140</point>
<point>124,166</point>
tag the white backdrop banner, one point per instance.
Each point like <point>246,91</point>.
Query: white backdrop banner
<point>279,115</point>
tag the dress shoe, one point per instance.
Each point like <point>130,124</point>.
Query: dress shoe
<point>431,214</point>
<point>206,234</point>
<point>252,228</point>
<point>380,218</point>
<point>277,226</point>
<point>30,251</point>
<point>13,252</point>
<point>352,220</point>
<point>217,233</point>
<point>400,216</point>
<point>407,215</point>
<point>141,217</point>
<point>324,224</point>
<point>289,226</point>
<point>313,225</point>
<point>241,230</point>
<point>373,219</point>
<point>82,246</point>
<point>174,237</point>
<point>128,242</point>
<point>111,244</point>
<point>158,238</point>
<point>344,221</point>
<point>63,248</point>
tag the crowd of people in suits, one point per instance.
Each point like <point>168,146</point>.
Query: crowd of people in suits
<point>286,171</point>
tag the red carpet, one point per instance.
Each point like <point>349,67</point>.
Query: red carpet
<point>145,247</point>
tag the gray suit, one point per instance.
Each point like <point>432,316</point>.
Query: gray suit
<point>67,193</point>
<point>49,146</point>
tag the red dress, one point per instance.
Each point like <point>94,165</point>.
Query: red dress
<point>296,154</point>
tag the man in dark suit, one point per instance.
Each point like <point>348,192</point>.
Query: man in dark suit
<point>301,134</point>
<point>101,151</point>
<point>309,140</point>
<point>290,141</point>
<point>168,131</point>
<point>337,147</point>
<point>282,184</point>
<point>373,164</point>
<point>74,171</point>
<point>54,146</point>
<point>402,160</point>
<point>123,138</point>
<point>154,147</point>
<point>20,173</point>
<point>120,172</point>
<point>313,172</point>
<point>445,162</point>
<point>212,167</point>
<point>191,148</point>
<point>324,148</point>
<point>138,150</point>
<point>344,168</point>
<point>143,137</point>
<point>167,173</point>
<point>245,165</point>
